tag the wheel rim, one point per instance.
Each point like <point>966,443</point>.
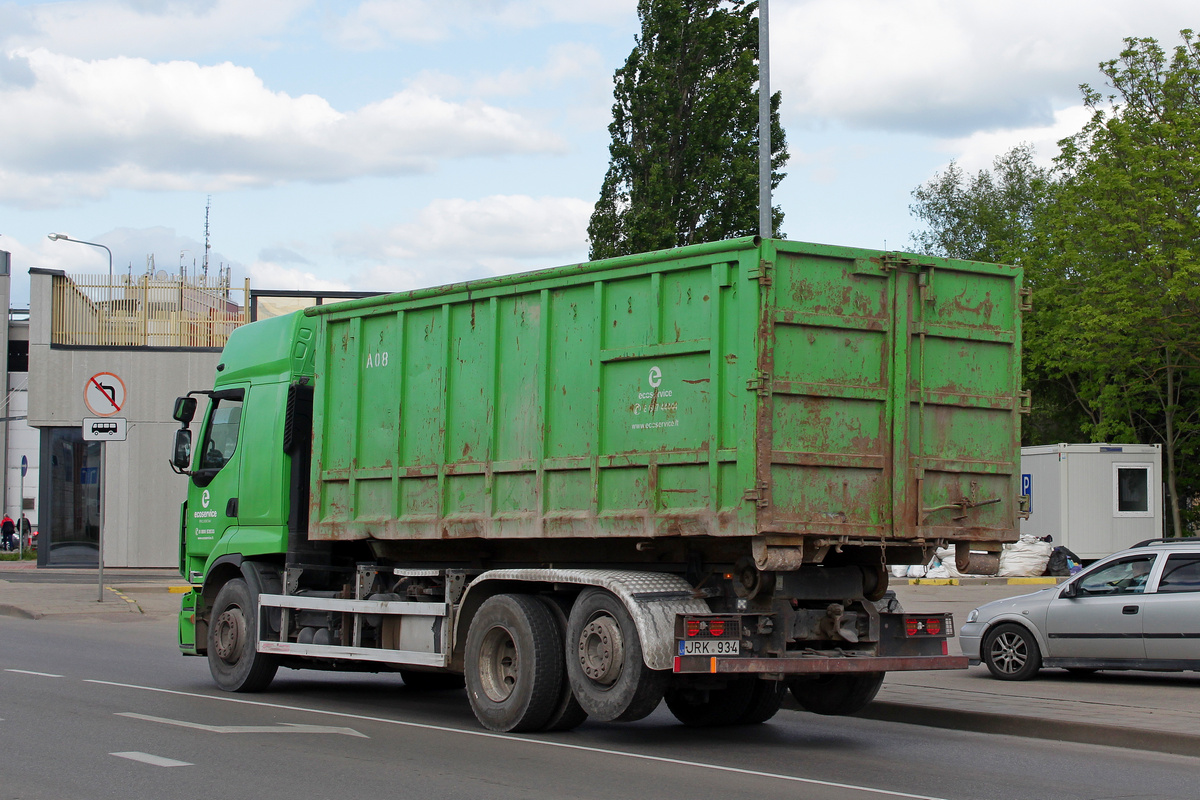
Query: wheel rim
<point>498,664</point>
<point>601,650</point>
<point>1009,652</point>
<point>229,633</point>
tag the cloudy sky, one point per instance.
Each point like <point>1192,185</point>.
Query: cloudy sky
<point>392,144</point>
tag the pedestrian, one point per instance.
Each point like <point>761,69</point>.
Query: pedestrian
<point>7,529</point>
<point>23,529</point>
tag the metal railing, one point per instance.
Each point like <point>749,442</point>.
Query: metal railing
<point>146,311</point>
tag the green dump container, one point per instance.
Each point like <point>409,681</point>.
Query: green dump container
<point>802,394</point>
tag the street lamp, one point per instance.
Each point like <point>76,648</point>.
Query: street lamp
<point>62,237</point>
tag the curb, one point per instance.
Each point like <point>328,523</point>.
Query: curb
<point>7,610</point>
<point>984,581</point>
<point>1182,744</point>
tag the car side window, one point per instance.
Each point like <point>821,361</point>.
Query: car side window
<point>1181,574</point>
<point>1127,576</point>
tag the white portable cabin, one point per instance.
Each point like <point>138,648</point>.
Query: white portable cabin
<point>1094,499</point>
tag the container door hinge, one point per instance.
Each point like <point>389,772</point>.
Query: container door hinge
<point>760,494</point>
<point>1025,303</point>
<point>897,261</point>
<point>762,273</point>
<point>1025,402</point>
<point>760,384</point>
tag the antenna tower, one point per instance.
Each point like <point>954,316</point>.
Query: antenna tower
<point>207,206</point>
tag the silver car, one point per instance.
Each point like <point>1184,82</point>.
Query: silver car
<point>1136,609</point>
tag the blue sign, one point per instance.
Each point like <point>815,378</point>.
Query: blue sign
<point>89,475</point>
<point>1027,488</point>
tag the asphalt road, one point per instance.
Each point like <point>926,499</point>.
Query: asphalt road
<point>109,709</point>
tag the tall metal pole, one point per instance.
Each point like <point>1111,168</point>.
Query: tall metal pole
<point>764,123</point>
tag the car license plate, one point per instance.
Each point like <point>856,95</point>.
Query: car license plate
<point>709,647</point>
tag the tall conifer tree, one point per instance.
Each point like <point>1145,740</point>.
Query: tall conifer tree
<point>684,152</point>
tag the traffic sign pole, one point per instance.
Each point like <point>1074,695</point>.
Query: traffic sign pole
<point>100,533</point>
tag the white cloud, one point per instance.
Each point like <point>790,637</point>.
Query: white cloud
<point>375,23</point>
<point>454,239</point>
<point>978,150</point>
<point>148,28</point>
<point>950,67</point>
<point>568,61</point>
<point>86,127</point>
<point>272,275</point>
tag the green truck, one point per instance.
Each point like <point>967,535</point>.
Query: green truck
<point>582,490</point>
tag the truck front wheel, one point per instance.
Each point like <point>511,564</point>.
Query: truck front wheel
<point>233,657</point>
<point>604,661</point>
<point>836,695</point>
<point>513,663</point>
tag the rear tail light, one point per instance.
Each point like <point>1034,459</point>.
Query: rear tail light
<point>928,626</point>
<point>710,628</point>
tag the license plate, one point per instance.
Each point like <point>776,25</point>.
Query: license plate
<point>710,647</point>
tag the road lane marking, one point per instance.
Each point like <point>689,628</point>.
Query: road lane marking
<point>535,742</point>
<point>31,672</point>
<point>286,727</point>
<point>157,761</point>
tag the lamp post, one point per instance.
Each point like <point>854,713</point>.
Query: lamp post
<point>62,237</point>
<point>765,211</point>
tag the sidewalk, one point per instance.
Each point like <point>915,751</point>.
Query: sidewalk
<point>32,593</point>
<point>1136,710</point>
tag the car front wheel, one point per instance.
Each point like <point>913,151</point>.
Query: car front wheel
<point>1011,653</point>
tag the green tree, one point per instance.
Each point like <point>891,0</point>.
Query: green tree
<point>684,155</point>
<point>1122,266</point>
<point>988,216</point>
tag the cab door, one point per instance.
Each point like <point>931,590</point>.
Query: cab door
<point>213,491</point>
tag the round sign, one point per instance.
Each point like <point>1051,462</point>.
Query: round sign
<point>24,466</point>
<point>104,394</point>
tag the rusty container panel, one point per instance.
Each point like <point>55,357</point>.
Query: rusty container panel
<point>604,399</point>
<point>894,396</point>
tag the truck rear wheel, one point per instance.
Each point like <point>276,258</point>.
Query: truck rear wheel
<point>513,663</point>
<point>765,702</point>
<point>568,714</point>
<point>836,695</point>
<point>233,657</point>
<point>604,661</point>
<point>746,700</point>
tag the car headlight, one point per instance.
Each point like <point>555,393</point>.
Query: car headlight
<point>973,616</point>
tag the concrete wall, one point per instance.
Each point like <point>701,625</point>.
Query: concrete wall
<point>141,494</point>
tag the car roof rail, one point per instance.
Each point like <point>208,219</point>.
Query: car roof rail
<point>1167,540</point>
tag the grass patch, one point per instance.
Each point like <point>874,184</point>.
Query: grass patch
<point>28,555</point>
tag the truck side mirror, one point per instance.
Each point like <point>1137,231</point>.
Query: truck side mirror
<point>181,455</point>
<point>185,410</point>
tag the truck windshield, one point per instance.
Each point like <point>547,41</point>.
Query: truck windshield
<point>222,434</point>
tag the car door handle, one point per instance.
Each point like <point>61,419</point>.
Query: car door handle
<point>1129,610</point>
